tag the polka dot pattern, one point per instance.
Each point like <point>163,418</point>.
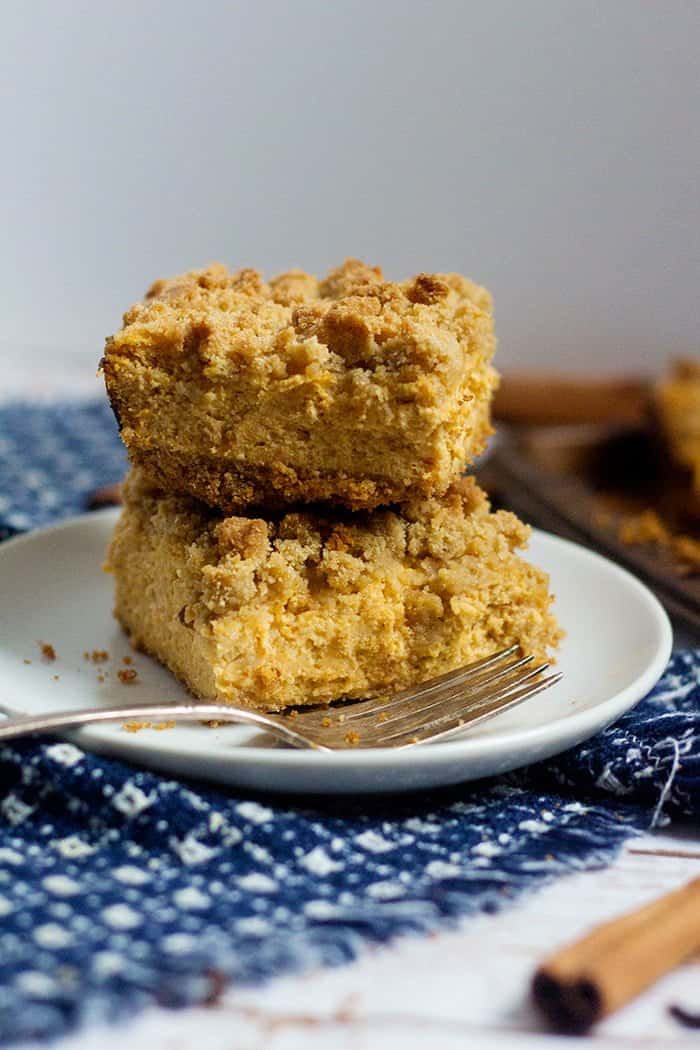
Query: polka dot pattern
<point>52,457</point>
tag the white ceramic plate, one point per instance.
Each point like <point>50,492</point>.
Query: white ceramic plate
<point>52,590</point>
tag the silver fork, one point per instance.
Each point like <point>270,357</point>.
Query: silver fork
<point>433,710</point>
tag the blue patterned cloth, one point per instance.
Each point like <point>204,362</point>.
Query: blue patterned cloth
<point>120,888</point>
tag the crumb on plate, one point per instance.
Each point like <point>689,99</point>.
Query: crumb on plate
<point>136,727</point>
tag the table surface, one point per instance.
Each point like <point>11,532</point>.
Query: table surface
<point>459,988</point>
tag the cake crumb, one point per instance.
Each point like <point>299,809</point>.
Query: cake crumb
<point>56,678</point>
<point>127,660</point>
<point>136,727</point>
<point>47,651</point>
<point>99,656</point>
<point>326,722</point>
<point>346,1013</point>
<point>648,528</point>
<point>688,550</point>
<point>217,986</point>
<point>352,738</point>
<point>127,676</point>
<point>26,661</point>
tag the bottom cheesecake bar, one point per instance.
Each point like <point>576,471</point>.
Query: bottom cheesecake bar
<point>313,606</point>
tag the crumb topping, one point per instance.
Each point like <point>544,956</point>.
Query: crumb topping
<point>354,315</point>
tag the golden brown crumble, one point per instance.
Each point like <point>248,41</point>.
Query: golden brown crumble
<point>264,317</point>
<point>647,527</point>
<point>136,727</point>
<point>48,652</point>
<point>246,536</point>
<point>97,656</point>
<point>241,392</point>
<point>127,675</point>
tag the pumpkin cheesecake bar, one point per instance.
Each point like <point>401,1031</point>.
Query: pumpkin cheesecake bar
<point>351,389</point>
<point>309,607</point>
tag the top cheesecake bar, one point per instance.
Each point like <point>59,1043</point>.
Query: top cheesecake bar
<point>351,389</point>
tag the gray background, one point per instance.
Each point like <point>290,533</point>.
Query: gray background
<point>548,149</point>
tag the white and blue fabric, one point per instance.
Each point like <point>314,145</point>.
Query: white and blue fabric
<point>120,888</point>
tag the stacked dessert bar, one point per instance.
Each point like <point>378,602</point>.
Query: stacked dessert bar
<point>296,525</point>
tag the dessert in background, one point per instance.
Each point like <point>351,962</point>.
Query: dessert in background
<point>612,462</point>
<point>676,399</point>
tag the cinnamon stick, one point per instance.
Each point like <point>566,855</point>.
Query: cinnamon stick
<point>592,978</point>
<point>109,496</point>
<point>558,398</point>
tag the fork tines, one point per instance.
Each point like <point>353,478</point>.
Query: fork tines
<point>441,706</point>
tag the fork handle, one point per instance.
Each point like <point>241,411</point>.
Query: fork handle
<point>27,725</point>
